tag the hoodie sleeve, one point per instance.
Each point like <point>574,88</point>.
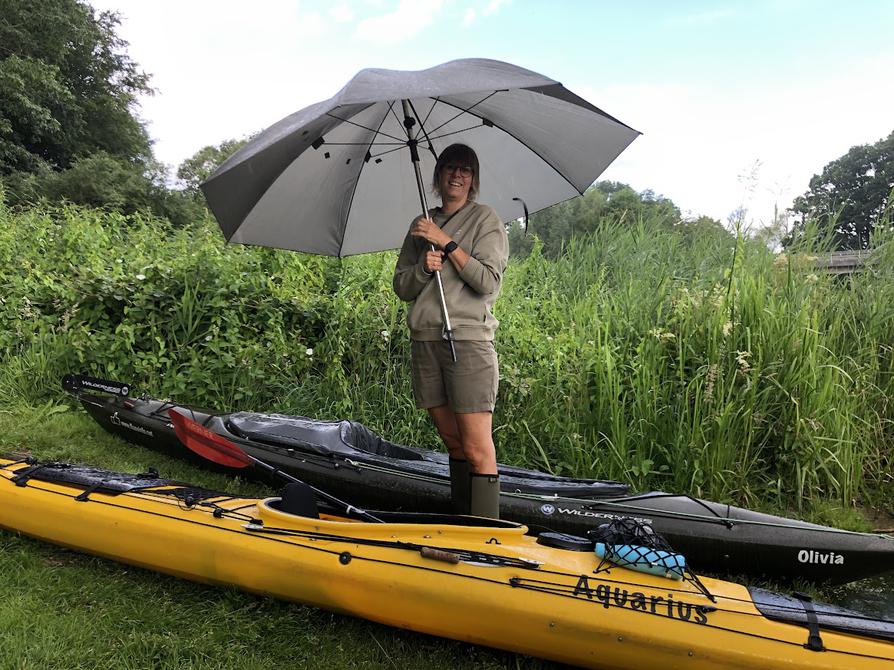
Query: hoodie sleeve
<point>483,272</point>
<point>409,274</point>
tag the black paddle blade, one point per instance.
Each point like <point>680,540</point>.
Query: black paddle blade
<point>208,444</point>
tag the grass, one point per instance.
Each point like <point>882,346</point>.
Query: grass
<point>668,356</point>
<point>68,611</point>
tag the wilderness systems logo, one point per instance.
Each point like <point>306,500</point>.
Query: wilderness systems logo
<point>820,558</point>
<point>549,509</point>
<point>116,420</point>
<point>108,387</point>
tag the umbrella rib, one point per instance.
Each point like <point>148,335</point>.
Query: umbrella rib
<point>435,101</point>
<point>462,111</point>
<point>399,145</point>
<point>422,129</point>
<point>385,153</point>
<point>393,113</point>
<point>357,181</point>
<point>360,125</point>
<point>453,132</point>
<point>524,144</point>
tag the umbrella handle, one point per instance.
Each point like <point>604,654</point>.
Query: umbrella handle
<point>413,144</point>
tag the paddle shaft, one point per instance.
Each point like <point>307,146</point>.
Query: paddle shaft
<point>412,143</point>
<point>321,494</point>
<point>218,449</point>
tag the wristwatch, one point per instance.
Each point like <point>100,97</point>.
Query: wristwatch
<point>450,247</point>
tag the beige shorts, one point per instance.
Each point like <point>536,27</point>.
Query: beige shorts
<point>467,386</point>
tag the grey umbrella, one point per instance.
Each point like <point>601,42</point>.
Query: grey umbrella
<point>344,176</point>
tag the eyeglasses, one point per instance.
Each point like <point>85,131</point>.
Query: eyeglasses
<point>464,170</point>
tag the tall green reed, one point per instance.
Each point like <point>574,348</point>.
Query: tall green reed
<point>675,357</point>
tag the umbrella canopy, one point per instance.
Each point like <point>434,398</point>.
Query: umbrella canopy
<point>336,178</point>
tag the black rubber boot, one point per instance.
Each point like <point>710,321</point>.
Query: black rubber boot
<point>484,495</point>
<point>459,485</point>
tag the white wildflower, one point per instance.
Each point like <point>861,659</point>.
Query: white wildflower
<point>727,328</point>
<point>208,338</point>
<point>386,334</point>
<point>812,278</point>
<point>713,370</point>
<point>309,351</point>
<point>662,335</point>
<point>141,277</point>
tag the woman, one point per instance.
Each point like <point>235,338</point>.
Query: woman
<point>472,251</point>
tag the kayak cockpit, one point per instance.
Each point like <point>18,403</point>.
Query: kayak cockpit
<point>282,512</point>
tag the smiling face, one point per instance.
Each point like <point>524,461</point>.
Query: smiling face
<point>456,175</point>
<point>455,182</point>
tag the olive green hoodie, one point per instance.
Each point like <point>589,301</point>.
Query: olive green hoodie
<point>470,294</point>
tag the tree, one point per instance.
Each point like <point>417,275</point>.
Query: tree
<point>67,87</point>
<point>850,195</point>
<point>68,126</point>
<point>198,167</point>
<point>555,225</point>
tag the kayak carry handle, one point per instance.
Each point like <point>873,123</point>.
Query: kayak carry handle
<point>439,555</point>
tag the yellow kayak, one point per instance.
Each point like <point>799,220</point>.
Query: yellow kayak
<point>471,579</point>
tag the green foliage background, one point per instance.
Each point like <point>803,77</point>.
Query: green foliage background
<point>850,196</point>
<point>69,124</point>
<point>669,355</point>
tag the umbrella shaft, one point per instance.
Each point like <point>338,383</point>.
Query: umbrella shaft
<point>420,186</point>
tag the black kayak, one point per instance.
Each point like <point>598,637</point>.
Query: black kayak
<point>350,461</point>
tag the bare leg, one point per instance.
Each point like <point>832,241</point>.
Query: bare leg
<point>445,422</point>
<point>477,441</point>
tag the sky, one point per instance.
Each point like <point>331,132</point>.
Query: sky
<point>740,102</point>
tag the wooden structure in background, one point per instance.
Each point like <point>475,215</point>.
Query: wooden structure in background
<point>842,262</point>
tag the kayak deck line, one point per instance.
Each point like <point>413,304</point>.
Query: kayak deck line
<point>714,537</point>
<point>164,495</point>
<point>359,569</point>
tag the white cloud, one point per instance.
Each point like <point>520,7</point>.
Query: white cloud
<point>492,7</point>
<point>341,14</point>
<point>231,72</point>
<point>310,24</point>
<point>712,151</point>
<point>410,18</point>
<point>702,18</point>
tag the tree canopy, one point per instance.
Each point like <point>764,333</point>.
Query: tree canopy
<point>198,167</point>
<point>69,129</point>
<point>556,225</point>
<point>850,195</point>
<point>67,87</point>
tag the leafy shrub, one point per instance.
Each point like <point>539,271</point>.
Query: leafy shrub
<point>647,352</point>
